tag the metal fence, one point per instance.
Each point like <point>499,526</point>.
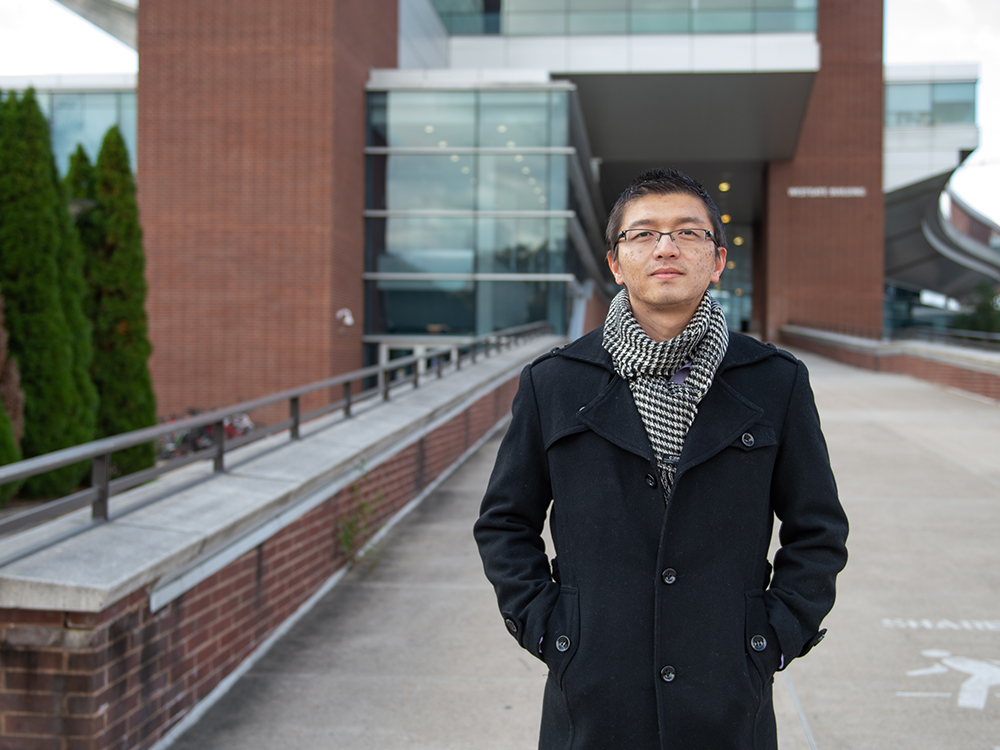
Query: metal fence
<point>953,336</point>
<point>374,382</point>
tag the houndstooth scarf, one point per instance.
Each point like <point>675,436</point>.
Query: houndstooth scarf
<point>667,409</point>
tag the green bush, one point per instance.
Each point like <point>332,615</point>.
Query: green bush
<point>33,235</point>
<point>985,315</point>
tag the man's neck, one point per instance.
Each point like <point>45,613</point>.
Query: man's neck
<point>663,324</point>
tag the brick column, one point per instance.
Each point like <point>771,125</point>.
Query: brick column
<point>825,254</point>
<point>251,186</point>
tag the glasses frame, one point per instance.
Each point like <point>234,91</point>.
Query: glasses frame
<point>709,236</point>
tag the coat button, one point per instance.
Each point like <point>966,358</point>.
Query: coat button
<point>747,439</point>
<point>669,576</point>
<point>650,480</point>
<point>511,625</point>
<point>758,642</point>
<point>668,674</point>
<point>562,643</point>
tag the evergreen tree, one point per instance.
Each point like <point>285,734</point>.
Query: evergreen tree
<point>73,291</point>
<point>114,271</point>
<point>11,410</point>
<point>31,249</point>
<point>985,314</point>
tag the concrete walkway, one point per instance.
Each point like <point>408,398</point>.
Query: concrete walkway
<point>408,651</point>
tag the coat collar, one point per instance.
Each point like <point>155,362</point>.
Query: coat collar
<point>722,415</point>
<point>742,350</point>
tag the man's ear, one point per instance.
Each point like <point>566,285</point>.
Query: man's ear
<point>615,269</point>
<point>720,264</point>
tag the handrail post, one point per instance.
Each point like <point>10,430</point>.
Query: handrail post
<point>99,475</point>
<point>386,375</point>
<point>416,373</point>
<point>219,433</point>
<point>440,365</point>
<point>293,412</point>
<point>347,398</point>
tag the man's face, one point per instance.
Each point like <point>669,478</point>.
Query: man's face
<point>665,279</point>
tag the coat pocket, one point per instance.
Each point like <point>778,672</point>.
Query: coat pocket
<point>562,633</point>
<point>760,640</point>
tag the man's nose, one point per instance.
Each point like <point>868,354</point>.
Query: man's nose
<point>665,247</point>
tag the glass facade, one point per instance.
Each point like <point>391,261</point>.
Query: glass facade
<point>468,206</point>
<point>603,17</point>
<point>930,104</point>
<point>735,288</point>
<point>84,118</point>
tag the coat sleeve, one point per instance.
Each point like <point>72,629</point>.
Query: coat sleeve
<point>509,529</point>
<point>813,531</point>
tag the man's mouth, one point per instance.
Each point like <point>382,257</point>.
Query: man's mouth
<point>668,273</point>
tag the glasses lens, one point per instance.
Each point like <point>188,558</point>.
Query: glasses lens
<point>689,237</point>
<point>641,237</point>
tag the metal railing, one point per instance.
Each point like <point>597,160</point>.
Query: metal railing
<point>953,336</point>
<point>387,377</point>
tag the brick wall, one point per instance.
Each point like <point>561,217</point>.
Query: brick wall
<point>824,256</point>
<point>973,381</point>
<point>122,677</point>
<point>251,185</point>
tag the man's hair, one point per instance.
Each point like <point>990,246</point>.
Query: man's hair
<point>661,182</point>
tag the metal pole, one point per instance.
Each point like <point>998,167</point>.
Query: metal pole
<point>347,398</point>
<point>99,473</point>
<point>293,412</point>
<point>219,435</point>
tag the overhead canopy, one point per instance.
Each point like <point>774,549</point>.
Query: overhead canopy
<point>116,18</point>
<point>919,251</point>
<point>717,126</point>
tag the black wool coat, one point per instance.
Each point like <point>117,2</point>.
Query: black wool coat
<point>662,624</point>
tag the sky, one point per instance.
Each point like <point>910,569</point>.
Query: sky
<point>39,37</point>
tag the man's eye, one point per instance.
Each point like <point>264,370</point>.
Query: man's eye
<point>689,233</point>
<point>642,235</point>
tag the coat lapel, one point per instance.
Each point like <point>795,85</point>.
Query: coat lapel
<point>723,416</point>
<point>614,417</point>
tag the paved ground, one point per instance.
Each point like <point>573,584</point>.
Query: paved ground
<point>408,651</point>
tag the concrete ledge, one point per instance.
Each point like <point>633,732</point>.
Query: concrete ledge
<point>973,370</point>
<point>208,520</point>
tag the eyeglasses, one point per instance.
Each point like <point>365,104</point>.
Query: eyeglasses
<point>649,238</point>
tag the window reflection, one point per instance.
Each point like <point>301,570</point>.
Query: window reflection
<point>409,182</point>
<point>422,245</point>
<point>930,103</point>
<point>83,119</point>
<point>421,307</point>
<point>512,119</point>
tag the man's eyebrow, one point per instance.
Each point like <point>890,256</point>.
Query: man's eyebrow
<point>645,221</point>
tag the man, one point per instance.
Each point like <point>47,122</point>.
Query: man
<point>665,446</point>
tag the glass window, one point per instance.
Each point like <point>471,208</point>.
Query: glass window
<point>791,20</point>
<point>407,182</point>
<point>660,5</point>
<point>431,118</point>
<point>518,245</point>
<point>598,23</point>
<point>534,24</point>
<point>421,245</point>
<point>559,118</point>
<point>505,304</point>
<point>421,307</point>
<point>706,22</point>
<point>518,182</point>
<point>81,119</point>
<point>786,4</point>
<point>128,123</point>
<point>511,119</point>
<point>605,6</point>
<point>723,5</point>
<point>660,23</point>
<point>908,104</point>
<point>953,103</point>
<point>534,6</point>
<point>377,127</point>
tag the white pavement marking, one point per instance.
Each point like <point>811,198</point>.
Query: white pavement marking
<point>922,695</point>
<point>802,714</point>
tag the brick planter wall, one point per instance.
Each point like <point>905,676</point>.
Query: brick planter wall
<point>122,677</point>
<point>973,381</point>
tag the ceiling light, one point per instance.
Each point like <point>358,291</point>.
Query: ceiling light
<point>453,157</point>
<point>442,144</point>
<point>726,218</point>
<point>501,128</point>
<point>730,265</point>
<point>428,128</point>
<point>737,241</point>
<point>724,187</point>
